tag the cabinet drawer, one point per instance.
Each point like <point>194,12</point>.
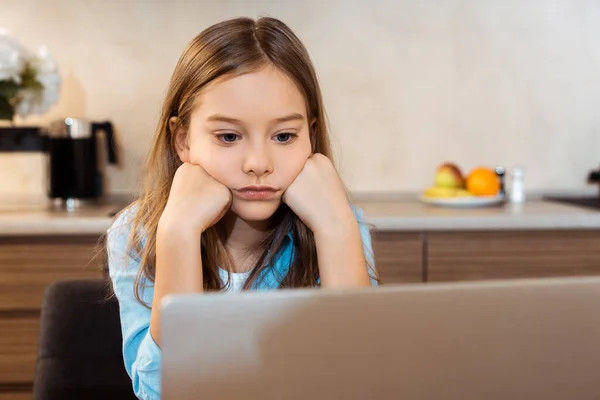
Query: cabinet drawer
<point>398,256</point>
<point>16,396</point>
<point>455,256</point>
<point>18,349</point>
<point>29,264</point>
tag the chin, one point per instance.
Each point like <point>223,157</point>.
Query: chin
<point>253,210</point>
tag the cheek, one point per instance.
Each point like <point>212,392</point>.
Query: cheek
<point>222,167</point>
<point>216,161</point>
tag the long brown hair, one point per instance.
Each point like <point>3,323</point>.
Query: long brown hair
<point>228,49</point>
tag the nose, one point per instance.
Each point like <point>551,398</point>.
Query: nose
<point>258,160</point>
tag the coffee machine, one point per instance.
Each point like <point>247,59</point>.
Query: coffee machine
<point>75,166</point>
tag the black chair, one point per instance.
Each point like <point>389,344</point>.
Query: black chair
<point>79,354</point>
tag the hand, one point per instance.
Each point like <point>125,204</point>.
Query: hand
<point>318,197</point>
<point>196,199</point>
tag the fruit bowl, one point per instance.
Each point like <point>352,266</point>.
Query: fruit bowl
<point>480,188</point>
<point>462,202</point>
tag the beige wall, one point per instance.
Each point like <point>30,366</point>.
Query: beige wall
<point>407,83</point>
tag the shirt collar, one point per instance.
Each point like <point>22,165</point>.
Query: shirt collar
<point>289,235</point>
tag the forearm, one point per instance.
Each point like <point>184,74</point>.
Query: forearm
<point>178,268</point>
<point>341,257</point>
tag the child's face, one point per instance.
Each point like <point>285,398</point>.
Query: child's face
<point>251,130</point>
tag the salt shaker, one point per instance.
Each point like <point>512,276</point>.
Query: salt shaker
<point>517,189</point>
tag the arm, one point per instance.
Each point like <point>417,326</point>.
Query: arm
<point>196,201</point>
<point>318,197</point>
<point>141,355</point>
<point>342,251</point>
<point>178,267</point>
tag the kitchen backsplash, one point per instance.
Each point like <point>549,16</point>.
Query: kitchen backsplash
<point>23,174</point>
<point>407,84</point>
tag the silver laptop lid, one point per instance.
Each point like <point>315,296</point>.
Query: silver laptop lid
<point>526,339</point>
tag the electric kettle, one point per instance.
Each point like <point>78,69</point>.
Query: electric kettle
<point>75,169</point>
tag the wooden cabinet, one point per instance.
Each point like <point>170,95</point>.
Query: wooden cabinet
<point>408,257</point>
<point>18,348</point>
<point>398,256</point>
<point>461,256</point>
<point>15,396</point>
<point>27,266</point>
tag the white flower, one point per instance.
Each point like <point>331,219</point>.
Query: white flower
<point>28,98</point>
<point>13,58</point>
<point>36,76</point>
<point>39,100</point>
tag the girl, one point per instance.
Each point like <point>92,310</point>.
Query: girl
<point>240,191</point>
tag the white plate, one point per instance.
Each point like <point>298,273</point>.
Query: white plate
<point>475,201</point>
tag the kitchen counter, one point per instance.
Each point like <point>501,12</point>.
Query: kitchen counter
<point>537,214</point>
<point>37,217</point>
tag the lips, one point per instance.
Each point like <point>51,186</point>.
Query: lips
<point>257,192</point>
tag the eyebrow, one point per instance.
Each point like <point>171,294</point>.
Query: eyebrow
<point>223,118</point>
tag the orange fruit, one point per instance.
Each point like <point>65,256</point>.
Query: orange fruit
<point>483,182</point>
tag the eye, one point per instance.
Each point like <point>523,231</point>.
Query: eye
<point>227,137</point>
<point>285,137</point>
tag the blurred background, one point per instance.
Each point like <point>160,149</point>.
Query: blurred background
<point>407,84</point>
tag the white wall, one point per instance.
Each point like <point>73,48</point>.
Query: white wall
<point>407,83</point>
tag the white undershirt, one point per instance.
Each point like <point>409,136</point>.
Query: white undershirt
<point>237,280</point>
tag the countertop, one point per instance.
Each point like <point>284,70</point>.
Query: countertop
<point>23,216</point>
<point>38,217</point>
<point>536,214</point>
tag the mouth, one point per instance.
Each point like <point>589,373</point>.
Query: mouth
<point>257,192</point>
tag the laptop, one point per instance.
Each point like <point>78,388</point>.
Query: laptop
<point>522,339</point>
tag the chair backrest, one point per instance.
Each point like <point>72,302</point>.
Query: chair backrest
<point>79,352</point>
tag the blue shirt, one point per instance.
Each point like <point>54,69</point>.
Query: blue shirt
<point>141,354</point>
